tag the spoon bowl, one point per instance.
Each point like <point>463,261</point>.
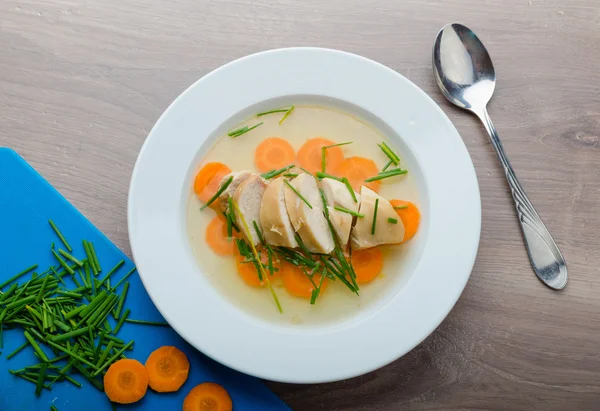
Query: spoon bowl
<point>465,74</point>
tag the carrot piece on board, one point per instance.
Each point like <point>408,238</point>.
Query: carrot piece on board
<point>298,284</point>
<point>208,180</point>
<point>273,153</point>
<point>357,170</point>
<point>208,396</point>
<point>310,155</point>
<point>126,381</point>
<point>216,237</point>
<point>410,216</point>
<point>367,264</point>
<point>248,272</point>
<point>168,369</point>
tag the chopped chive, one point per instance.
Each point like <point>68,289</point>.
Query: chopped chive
<point>302,245</point>
<point>306,171</point>
<point>243,130</point>
<point>298,194</point>
<point>70,257</point>
<point>258,232</point>
<point>349,187</point>
<point>17,350</point>
<point>401,207</point>
<point>72,353</point>
<point>389,153</point>
<point>105,353</point>
<point>286,115</point>
<point>387,174</point>
<point>121,321</point>
<point>9,292</point>
<point>122,298</point>
<point>345,210</point>
<point>142,322</point>
<point>339,144</point>
<point>88,277</point>
<point>94,256</point>
<point>40,380</point>
<point>18,275</point>
<point>90,258</point>
<point>218,193</point>
<point>111,272</point>
<point>113,358</point>
<point>53,408</point>
<point>274,173</point>
<point>323,158</point>
<point>325,205</point>
<point>60,236</point>
<point>35,346</point>
<point>315,293</point>
<point>71,334</point>
<point>321,175</point>
<point>291,175</point>
<point>124,278</point>
<point>374,216</point>
<point>280,110</point>
<point>392,220</point>
<point>387,165</point>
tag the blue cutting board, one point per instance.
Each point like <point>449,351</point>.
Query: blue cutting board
<point>27,202</point>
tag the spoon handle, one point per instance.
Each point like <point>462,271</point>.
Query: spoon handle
<point>546,259</point>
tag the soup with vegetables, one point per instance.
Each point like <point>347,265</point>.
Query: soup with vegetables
<point>302,215</point>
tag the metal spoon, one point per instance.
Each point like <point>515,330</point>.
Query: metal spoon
<point>464,72</point>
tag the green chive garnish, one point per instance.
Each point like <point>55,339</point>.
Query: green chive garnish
<point>388,164</point>
<point>243,130</point>
<point>345,210</point>
<point>389,153</point>
<point>291,175</point>
<point>402,207</point>
<point>60,236</point>
<point>392,220</point>
<point>70,257</point>
<point>298,194</point>
<point>349,187</point>
<point>279,110</point>
<point>275,173</point>
<point>121,321</point>
<point>143,322</point>
<point>94,256</point>
<point>387,174</point>
<point>19,275</point>
<point>218,193</point>
<point>124,278</point>
<point>35,346</point>
<point>286,115</point>
<point>321,175</point>
<point>374,216</point>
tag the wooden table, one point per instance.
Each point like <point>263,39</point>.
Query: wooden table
<point>82,82</point>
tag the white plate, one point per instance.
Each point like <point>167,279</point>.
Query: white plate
<point>445,246</point>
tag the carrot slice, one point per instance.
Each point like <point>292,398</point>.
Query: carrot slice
<point>208,180</point>
<point>357,170</point>
<point>273,153</point>
<point>168,369</point>
<point>208,396</point>
<point>126,381</point>
<point>410,216</point>
<point>247,270</point>
<point>367,264</point>
<point>216,236</point>
<point>310,155</point>
<point>298,284</point>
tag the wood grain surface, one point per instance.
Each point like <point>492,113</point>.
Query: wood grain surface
<point>82,82</point>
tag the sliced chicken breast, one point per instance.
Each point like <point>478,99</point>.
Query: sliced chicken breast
<point>337,195</point>
<point>276,224</point>
<point>385,232</point>
<point>238,178</point>
<point>248,196</point>
<point>309,223</point>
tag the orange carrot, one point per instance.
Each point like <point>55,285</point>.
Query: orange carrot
<point>247,270</point>
<point>410,216</point>
<point>208,180</point>
<point>167,369</point>
<point>357,170</point>
<point>298,284</point>
<point>208,396</point>
<point>367,264</point>
<point>310,155</point>
<point>126,381</point>
<point>273,153</point>
<point>216,236</point>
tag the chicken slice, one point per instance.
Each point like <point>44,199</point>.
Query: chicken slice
<point>238,178</point>
<point>309,223</point>
<point>276,224</point>
<point>337,195</point>
<point>385,232</point>
<point>248,196</point>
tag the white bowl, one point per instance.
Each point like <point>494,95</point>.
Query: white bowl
<point>411,308</point>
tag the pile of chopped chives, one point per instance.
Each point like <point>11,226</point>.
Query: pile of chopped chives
<point>67,327</point>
